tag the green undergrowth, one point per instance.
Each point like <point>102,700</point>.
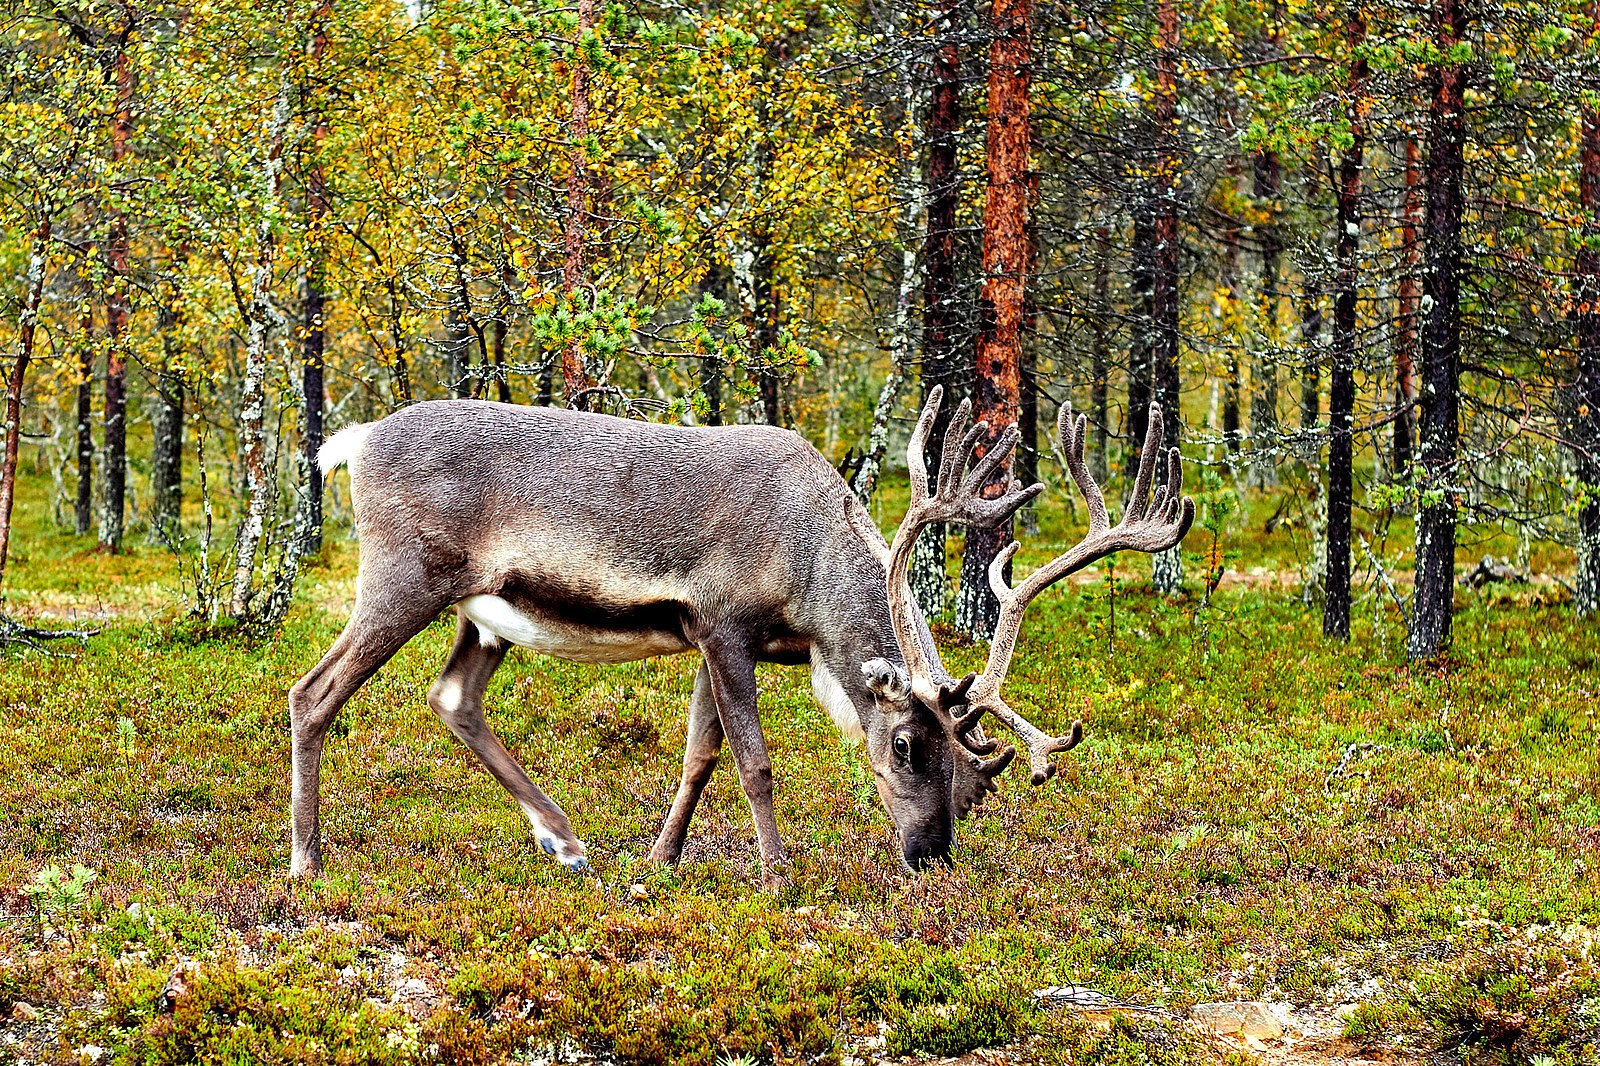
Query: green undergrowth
<point>1255,813</point>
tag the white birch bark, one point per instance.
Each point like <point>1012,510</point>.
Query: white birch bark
<point>252,403</point>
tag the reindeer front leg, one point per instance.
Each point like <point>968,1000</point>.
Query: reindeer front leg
<point>731,667</point>
<point>700,754</point>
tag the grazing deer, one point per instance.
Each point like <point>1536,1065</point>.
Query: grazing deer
<point>603,540</point>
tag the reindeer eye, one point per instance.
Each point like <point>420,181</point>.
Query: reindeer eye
<point>902,749</point>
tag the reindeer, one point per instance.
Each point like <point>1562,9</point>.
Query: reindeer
<point>604,540</point>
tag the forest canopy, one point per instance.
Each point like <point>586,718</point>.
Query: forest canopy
<point>1355,247</point>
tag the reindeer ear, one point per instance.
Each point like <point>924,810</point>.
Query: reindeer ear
<point>885,679</point>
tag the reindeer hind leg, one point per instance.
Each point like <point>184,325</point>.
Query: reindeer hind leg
<point>379,627</point>
<point>457,698</point>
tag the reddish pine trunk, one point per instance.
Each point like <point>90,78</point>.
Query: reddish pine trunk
<point>19,371</point>
<point>1439,427</point>
<point>573,380</point>
<point>940,315</point>
<point>1341,382</point>
<point>117,308</point>
<point>1585,400</point>
<point>1407,299</point>
<point>1002,302</point>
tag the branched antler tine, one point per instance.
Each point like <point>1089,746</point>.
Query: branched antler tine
<point>1138,503</point>
<point>985,467</point>
<point>1073,433</point>
<point>916,450</point>
<point>959,437</point>
<point>993,768</point>
<point>997,574</point>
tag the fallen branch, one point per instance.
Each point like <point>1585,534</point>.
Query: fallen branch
<point>1383,575</point>
<point>1350,752</point>
<point>14,632</point>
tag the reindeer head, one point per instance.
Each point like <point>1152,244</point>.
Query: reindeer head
<point>931,759</point>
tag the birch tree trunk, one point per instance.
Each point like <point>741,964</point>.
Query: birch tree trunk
<point>909,193</point>
<point>940,313</point>
<point>1001,304</point>
<point>258,475</point>
<point>27,326</point>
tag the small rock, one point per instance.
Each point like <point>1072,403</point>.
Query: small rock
<point>804,912</point>
<point>24,1012</point>
<point>638,891</point>
<point>1249,1020</point>
<point>91,1053</point>
<point>175,989</point>
<point>415,986</point>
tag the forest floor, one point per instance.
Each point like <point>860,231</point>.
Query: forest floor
<point>1397,860</point>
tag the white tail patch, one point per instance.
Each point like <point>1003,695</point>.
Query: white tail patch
<point>343,448</point>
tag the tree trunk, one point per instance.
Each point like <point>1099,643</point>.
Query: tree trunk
<point>313,340</point>
<point>574,382</point>
<point>1405,347</point>
<point>910,196</point>
<point>28,324</point>
<point>1001,304</point>
<point>1167,567</point>
<point>1264,372</point>
<point>1342,384</point>
<point>83,512</point>
<point>1233,385</point>
<point>252,396</point>
<point>1027,461</point>
<point>1100,354</point>
<point>1141,280</point>
<point>1439,426</point>
<point>166,453</point>
<point>712,284</point>
<point>1310,375</point>
<point>1584,402</point>
<point>940,313</point>
<point>764,295</point>
<point>113,504</point>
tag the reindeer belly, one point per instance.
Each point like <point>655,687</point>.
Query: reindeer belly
<point>624,638</point>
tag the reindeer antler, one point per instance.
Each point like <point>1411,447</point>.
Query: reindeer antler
<point>956,498</point>
<point>1150,524</point>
